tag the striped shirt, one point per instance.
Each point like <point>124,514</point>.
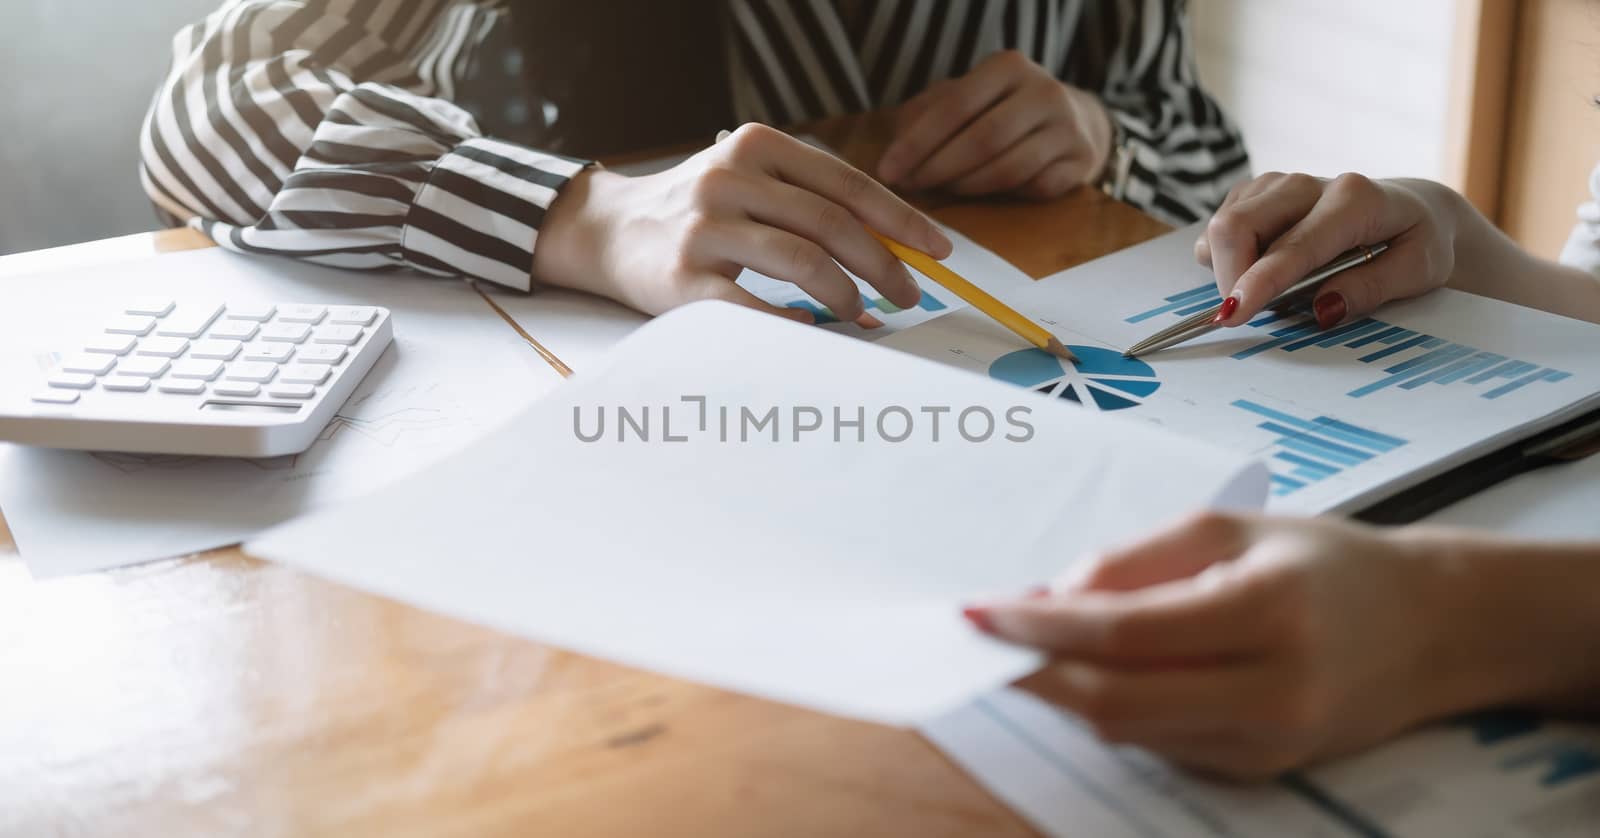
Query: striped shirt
<point>330,130</point>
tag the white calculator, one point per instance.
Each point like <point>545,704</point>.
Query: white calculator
<point>202,378</point>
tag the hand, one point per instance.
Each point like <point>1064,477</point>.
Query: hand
<point>1248,646</point>
<point>760,200</point>
<point>1006,127</point>
<point>1273,231</point>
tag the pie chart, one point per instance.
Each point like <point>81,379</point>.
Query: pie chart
<point>1101,378</point>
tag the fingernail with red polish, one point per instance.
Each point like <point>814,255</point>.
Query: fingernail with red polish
<point>1330,309</point>
<point>1229,306</point>
<point>1037,592</point>
<point>979,617</point>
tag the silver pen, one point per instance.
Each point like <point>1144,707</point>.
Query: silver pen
<point>1199,324</point>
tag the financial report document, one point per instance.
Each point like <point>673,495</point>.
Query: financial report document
<point>1492,775</point>
<point>1342,417</point>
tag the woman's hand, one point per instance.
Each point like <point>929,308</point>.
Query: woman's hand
<point>1273,231</point>
<point>1006,127</point>
<point>760,200</point>
<point>1248,646</point>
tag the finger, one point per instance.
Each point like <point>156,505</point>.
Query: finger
<point>817,171</point>
<point>981,141</point>
<point>911,109</point>
<point>1202,247</point>
<point>1404,271</point>
<point>836,230</point>
<point>717,287</point>
<point>1136,706</point>
<point>1055,180</point>
<point>1352,211</point>
<point>1175,553</point>
<point>954,107</point>
<point>1016,166</point>
<point>1239,234</point>
<point>781,255</point>
<point>1206,616</point>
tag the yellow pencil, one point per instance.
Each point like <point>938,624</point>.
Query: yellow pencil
<point>978,298</point>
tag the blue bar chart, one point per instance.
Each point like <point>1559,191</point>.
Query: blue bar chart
<point>1558,763</point>
<point>823,315</point>
<point>1406,359</point>
<point>1308,450</point>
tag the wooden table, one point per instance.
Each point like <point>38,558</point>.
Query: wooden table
<point>216,694</point>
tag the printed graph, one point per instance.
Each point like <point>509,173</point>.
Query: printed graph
<point>1555,762</point>
<point>1558,763</point>
<point>1407,359</point>
<point>1308,451</point>
<point>1101,378</point>
<point>823,314</point>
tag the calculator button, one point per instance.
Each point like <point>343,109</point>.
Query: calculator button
<point>322,354</point>
<point>285,332</point>
<point>276,353</point>
<point>56,396</point>
<point>301,314</point>
<point>220,349</point>
<point>234,330</point>
<point>304,374</point>
<point>131,324</point>
<point>89,363</point>
<point>189,321</point>
<point>111,344</point>
<point>251,371</point>
<point>182,386</point>
<point>343,335</point>
<point>259,312</point>
<point>151,306</point>
<point>195,368</point>
<point>72,380</point>
<point>143,366</point>
<point>163,347</point>
<point>129,383</point>
<point>291,391</point>
<point>236,388</point>
<point>352,315</point>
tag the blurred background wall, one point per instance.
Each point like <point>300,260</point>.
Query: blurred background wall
<point>1329,87</point>
<point>77,75</point>
<point>1491,96</point>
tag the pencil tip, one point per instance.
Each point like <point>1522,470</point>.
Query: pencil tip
<point>1056,348</point>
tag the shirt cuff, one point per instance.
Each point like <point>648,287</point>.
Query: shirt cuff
<point>478,213</point>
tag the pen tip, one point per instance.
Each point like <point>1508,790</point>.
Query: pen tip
<point>1056,348</point>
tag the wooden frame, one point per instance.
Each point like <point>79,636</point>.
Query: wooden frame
<point>1481,74</point>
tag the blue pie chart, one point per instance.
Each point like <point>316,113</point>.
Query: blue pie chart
<point>1100,378</point>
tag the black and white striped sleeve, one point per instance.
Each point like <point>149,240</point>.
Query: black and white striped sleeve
<point>1185,152</point>
<point>323,129</point>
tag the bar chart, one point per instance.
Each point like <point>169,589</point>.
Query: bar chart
<point>929,303</point>
<point>1553,760</point>
<point>1558,763</point>
<point>1309,450</point>
<point>1406,359</point>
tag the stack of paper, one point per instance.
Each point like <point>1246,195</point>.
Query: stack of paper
<point>760,505</point>
<point>1343,418</point>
